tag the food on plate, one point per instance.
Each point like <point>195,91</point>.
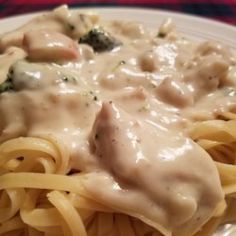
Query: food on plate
<point>112,128</point>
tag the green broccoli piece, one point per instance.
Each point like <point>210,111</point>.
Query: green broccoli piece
<point>99,40</point>
<point>7,85</point>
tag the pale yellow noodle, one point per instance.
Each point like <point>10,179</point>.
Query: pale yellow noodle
<point>12,224</point>
<point>11,165</point>
<point>33,148</point>
<point>218,137</point>
<point>92,227</point>
<point>16,197</point>
<point>46,165</point>
<point>105,223</point>
<point>41,181</point>
<point>124,225</point>
<point>68,212</point>
<point>14,233</point>
<point>24,203</point>
<point>82,202</point>
<point>34,232</point>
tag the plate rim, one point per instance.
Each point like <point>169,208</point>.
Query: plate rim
<point>211,28</point>
<point>126,8</point>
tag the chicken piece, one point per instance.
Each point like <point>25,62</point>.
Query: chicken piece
<point>44,45</point>
<point>214,48</point>
<point>73,24</point>
<point>209,73</point>
<point>175,93</point>
<point>164,166</point>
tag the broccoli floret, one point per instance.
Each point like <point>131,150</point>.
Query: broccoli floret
<point>8,83</point>
<point>99,40</point>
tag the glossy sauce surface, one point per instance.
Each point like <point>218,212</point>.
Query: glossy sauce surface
<point>124,114</point>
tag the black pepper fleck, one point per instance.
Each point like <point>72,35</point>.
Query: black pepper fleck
<point>71,27</point>
<point>161,35</point>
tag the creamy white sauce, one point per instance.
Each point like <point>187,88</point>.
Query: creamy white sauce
<point>124,116</point>
<point>226,230</point>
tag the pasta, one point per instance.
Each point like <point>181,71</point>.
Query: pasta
<point>109,128</point>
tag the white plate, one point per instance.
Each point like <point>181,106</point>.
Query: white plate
<point>191,26</point>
